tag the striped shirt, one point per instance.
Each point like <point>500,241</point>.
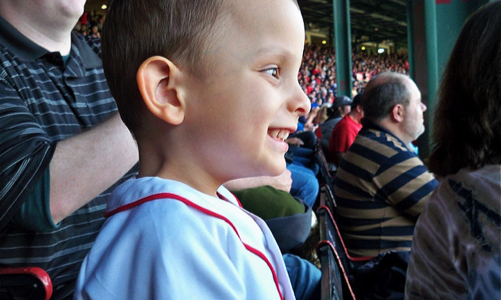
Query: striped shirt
<point>42,102</point>
<point>381,188</point>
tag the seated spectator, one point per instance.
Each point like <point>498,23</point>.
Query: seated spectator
<point>305,184</point>
<point>322,114</point>
<point>340,108</point>
<point>301,162</point>
<point>307,123</point>
<point>84,30</point>
<point>345,131</point>
<point>456,250</point>
<point>203,112</point>
<point>381,186</point>
<point>302,149</point>
<point>63,145</point>
<point>94,32</point>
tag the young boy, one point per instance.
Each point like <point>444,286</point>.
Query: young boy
<point>210,91</point>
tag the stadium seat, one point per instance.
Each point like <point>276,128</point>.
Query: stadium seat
<point>339,270</point>
<point>29,283</point>
<point>327,194</point>
<point>327,171</point>
<point>335,284</point>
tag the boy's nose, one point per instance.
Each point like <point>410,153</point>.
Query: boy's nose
<point>301,104</point>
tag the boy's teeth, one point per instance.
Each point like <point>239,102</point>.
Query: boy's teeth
<point>273,133</point>
<point>279,134</point>
<point>283,135</point>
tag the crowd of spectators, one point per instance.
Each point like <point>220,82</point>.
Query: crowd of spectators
<point>90,23</point>
<point>317,75</point>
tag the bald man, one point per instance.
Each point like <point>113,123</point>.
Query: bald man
<point>381,185</point>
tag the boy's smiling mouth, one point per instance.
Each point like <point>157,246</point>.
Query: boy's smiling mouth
<point>279,134</point>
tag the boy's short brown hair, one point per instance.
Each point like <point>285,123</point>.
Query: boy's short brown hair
<point>134,31</point>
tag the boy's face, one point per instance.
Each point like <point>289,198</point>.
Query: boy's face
<point>249,100</point>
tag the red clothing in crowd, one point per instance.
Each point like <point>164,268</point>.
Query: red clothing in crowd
<point>343,135</point>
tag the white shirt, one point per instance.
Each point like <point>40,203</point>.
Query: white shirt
<point>166,240</point>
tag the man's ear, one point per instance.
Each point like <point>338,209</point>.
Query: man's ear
<point>157,85</point>
<point>359,109</point>
<point>398,113</point>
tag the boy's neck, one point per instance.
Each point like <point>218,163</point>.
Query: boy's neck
<point>176,170</point>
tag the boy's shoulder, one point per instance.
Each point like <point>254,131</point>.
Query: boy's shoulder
<point>138,191</point>
<point>168,213</point>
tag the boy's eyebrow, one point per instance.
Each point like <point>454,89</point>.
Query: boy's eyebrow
<point>282,53</point>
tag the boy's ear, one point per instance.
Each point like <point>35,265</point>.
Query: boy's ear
<point>158,89</point>
<point>398,113</point>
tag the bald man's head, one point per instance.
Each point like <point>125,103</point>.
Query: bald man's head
<point>383,92</point>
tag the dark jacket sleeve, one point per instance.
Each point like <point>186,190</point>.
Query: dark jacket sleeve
<point>25,150</point>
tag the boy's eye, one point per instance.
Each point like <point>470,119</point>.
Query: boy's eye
<point>272,72</point>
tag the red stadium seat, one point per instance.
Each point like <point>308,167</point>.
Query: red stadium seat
<point>336,263</point>
<point>29,283</point>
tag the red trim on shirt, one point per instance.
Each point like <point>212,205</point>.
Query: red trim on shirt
<point>224,198</point>
<point>162,196</point>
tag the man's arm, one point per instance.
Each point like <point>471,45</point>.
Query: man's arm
<point>406,183</point>
<point>282,182</point>
<point>85,165</point>
<point>79,167</point>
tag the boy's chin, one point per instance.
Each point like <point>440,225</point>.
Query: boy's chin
<point>272,168</point>
<point>276,169</point>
